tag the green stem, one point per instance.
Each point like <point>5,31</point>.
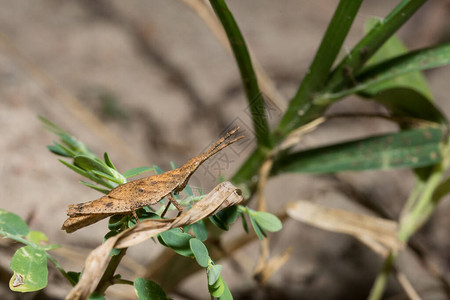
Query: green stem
<point>123,281</point>
<point>60,268</point>
<point>415,218</point>
<point>409,225</point>
<point>380,282</point>
<point>107,278</point>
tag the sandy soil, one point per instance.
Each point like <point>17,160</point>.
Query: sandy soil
<point>149,83</point>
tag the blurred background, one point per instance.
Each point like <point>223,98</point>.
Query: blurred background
<point>148,82</point>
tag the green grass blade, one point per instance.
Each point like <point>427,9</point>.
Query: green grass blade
<point>323,61</point>
<point>409,148</point>
<point>370,43</point>
<point>411,62</point>
<point>248,76</point>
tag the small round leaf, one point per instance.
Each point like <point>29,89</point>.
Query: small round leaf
<point>217,289</point>
<point>267,221</point>
<point>148,290</point>
<point>30,270</point>
<point>200,252</point>
<point>213,273</point>
<point>12,224</point>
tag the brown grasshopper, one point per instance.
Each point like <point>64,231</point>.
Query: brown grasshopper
<point>128,197</point>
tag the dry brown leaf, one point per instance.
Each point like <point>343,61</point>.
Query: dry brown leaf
<point>222,196</point>
<point>375,232</point>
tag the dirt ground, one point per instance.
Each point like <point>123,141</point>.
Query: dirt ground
<point>149,83</point>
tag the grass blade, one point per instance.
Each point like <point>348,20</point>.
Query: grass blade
<point>318,72</point>
<point>410,62</point>
<point>370,43</point>
<point>409,148</point>
<point>248,76</point>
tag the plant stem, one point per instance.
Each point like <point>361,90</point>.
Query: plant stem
<point>107,278</point>
<point>60,268</point>
<point>380,282</point>
<point>408,226</point>
<point>413,220</point>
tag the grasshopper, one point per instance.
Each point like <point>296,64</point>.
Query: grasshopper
<point>128,197</point>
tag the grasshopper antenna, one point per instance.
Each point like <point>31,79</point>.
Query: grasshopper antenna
<point>220,144</point>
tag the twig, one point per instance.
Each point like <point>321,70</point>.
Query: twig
<point>107,278</point>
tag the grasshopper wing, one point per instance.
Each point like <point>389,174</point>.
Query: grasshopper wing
<point>74,223</point>
<point>124,198</point>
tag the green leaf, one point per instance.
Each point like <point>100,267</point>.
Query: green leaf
<point>89,164</point>
<point>218,223</point>
<point>108,161</point>
<point>75,276</point>
<point>116,222</point>
<point>226,293</point>
<point>51,126</point>
<point>371,42</point>
<point>406,95</point>
<point>12,224</point>
<point>226,217</point>
<point>213,273</point>
<point>267,221</point>
<point>442,190</point>
<point>148,290</point>
<point>200,252</point>
<point>177,241</point>
<point>409,148</point>
<point>86,174</point>
<point>319,70</point>
<point>248,76</point>
<point>60,150</point>
<point>143,215</point>
<point>30,270</point>
<point>410,62</point>
<point>157,169</point>
<point>244,223</point>
<point>217,289</point>
<point>99,189</point>
<point>108,177</point>
<point>258,230</point>
<point>200,231</point>
<point>136,171</point>
<point>397,83</point>
<point>36,237</point>
<point>96,296</point>
<point>407,102</point>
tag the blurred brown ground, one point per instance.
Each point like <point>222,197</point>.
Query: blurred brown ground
<point>162,84</point>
